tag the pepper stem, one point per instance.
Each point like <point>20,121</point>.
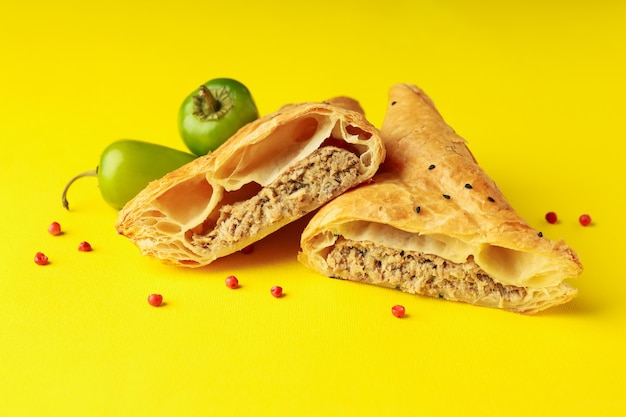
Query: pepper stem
<point>205,104</point>
<point>90,173</point>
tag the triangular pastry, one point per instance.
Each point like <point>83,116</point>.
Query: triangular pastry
<point>271,172</point>
<point>432,222</point>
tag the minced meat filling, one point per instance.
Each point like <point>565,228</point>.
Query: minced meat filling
<point>326,173</point>
<point>415,272</point>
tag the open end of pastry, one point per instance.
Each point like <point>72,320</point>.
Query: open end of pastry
<point>263,161</point>
<point>522,268</point>
<point>182,203</point>
<point>250,190</point>
<point>431,275</point>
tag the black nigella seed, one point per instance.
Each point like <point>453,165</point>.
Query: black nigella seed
<point>491,199</point>
<point>418,209</point>
<point>468,186</point>
<point>431,166</point>
<point>440,295</point>
<point>393,103</point>
<point>540,234</point>
<point>446,196</point>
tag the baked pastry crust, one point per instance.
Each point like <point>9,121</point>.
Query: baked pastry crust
<point>432,222</point>
<point>270,173</point>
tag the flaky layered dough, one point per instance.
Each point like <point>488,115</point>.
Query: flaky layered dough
<point>270,173</point>
<point>432,222</point>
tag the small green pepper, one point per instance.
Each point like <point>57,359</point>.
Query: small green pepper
<point>213,113</point>
<point>127,166</point>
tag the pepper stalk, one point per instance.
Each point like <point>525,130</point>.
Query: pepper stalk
<point>211,105</point>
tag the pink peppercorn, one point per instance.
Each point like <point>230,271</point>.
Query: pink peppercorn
<point>41,259</point>
<point>551,217</point>
<point>276,291</point>
<point>585,220</point>
<point>398,311</point>
<point>232,282</point>
<point>248,249</point>
<point>155,300</point>
<point>85,247</point>
<point>54,229</point>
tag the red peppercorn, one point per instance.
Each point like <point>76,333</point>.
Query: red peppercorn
<point>41,259</point>
<point>277,291</point>
<point>232,281</point>
<point>248,249</point>
<point>85,247</point>
<point>551,217</point>
<point>585,220</point>
<point>398,311</point>
<point>155,300</point>
<point>54,229</point>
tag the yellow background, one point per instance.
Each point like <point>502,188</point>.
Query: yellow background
<point>536,87</point>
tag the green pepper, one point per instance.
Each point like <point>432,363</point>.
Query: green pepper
<point>213,113</point>
<point>127,166</point>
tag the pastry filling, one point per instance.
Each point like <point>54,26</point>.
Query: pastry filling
<point>326,173</point>
<point>417,273</point>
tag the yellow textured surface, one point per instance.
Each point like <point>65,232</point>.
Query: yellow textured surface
<point>536,88</point>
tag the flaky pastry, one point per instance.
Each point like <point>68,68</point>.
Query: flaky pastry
<point>270,173</point>
<point>433,223</point>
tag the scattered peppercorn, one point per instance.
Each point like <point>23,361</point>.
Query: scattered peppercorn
<point>585,220</point>
<point>41,259</point>
<point>551,217</point>
<point>248,249</point>
<point>84,247</point>
<point>54,229</point>
<point>431,166</point>
<point>468,186</point>
<point>232,282</point>
<point>398,311</point>
<point>276,291</point>
<point>155,300</point>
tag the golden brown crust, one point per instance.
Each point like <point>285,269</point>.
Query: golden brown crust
<point>431,195</point>
<point>172,216</point>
